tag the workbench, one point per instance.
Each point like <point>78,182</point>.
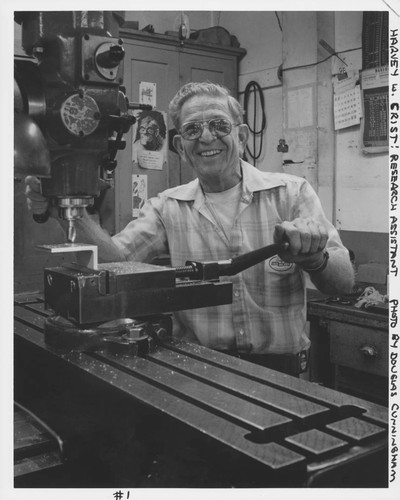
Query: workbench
<point>257,427</point>
<point>349,347</point>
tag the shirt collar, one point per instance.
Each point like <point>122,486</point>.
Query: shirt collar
<point>252,180</point>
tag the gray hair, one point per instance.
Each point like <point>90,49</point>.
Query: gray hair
<point>193,89</point>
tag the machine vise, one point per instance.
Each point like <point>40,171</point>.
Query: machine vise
<point>119,305</point>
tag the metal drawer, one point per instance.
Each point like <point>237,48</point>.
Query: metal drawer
<point>360,348</point>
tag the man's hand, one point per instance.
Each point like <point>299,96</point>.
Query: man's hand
<point>306,238</point>
<point>36,202</point>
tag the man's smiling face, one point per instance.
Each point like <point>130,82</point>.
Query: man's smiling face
<point>215,160</point>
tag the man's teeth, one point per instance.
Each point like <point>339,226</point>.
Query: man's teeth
<point>210,153</point>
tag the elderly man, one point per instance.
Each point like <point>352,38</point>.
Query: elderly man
<point>233,208</point>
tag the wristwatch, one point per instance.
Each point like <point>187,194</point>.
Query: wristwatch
<point>321,267</point>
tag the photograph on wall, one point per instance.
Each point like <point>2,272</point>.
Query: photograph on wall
<point>148,93</point>
<point>150,141</point>
<point>139,193</point>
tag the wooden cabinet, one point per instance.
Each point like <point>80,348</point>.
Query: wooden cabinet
<point>349,349</point>
<point>163,60</point>
<point>364,349</point>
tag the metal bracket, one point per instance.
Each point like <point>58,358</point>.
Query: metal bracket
<point>86,255</point>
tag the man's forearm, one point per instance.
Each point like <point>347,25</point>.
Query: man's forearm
<point>89,231</point>
<point>338,275</point>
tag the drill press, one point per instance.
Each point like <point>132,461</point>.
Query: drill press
<point>70,106</point>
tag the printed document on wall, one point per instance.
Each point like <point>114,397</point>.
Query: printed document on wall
<point>347,108</point>
<point>375,89</point>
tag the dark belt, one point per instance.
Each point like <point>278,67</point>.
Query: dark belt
<point>291,364</point>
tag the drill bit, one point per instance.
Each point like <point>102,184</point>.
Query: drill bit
<point>71,233</point>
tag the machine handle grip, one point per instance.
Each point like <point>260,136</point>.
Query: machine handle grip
<point>214,269</point>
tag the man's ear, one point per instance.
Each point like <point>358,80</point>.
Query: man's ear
<point>243,132</point>
<point>178,145</point>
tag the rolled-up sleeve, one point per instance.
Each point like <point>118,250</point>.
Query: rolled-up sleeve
<point>145,237</point>
<point>309,205</point>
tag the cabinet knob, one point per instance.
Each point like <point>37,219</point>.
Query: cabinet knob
<point>323,323</point>
<point>369,351</point>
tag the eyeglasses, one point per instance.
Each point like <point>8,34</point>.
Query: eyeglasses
<point>219,127</point>
<point>148,130</point>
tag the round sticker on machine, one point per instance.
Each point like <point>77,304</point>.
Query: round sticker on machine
<point>277,264</point>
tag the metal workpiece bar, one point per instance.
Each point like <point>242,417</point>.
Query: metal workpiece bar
<point>28,298</point>
<point>86,255</point>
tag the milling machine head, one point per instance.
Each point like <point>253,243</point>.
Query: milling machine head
<point>70,109</point>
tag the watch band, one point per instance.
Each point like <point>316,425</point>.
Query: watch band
<point>321,267</point>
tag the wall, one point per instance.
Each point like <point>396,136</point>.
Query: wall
<point>260,34</point>
<point>362,180</point>
<point>299,76</point>
<point>361,188</point>
<point>163,21</point>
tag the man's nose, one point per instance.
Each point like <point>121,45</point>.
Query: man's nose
<point>206,134</point>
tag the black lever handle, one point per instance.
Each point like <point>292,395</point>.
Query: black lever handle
<point>250,259</point>
<point>214,269</point>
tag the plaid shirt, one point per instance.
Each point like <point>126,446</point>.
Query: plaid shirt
<point>268,313</point>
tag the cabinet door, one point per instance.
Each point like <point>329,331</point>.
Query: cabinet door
<point>159,65</point>
<point>213,67</point>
